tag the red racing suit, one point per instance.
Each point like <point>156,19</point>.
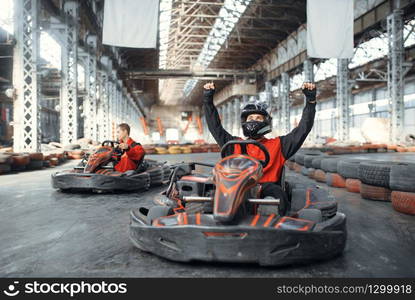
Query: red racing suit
<point>280,148</point>
<point>131,158</point>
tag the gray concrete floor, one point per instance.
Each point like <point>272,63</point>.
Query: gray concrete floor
<point>45,233</point>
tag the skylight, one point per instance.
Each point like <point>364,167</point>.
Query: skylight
<point>229,15</point>
<point>164,29</point>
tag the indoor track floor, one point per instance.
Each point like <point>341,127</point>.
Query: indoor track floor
<point>45,233</point>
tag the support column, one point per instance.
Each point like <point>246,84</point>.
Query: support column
<point>285,103</point>
<point>229,116</point>
<point>90,109</point>
<point>69,93</point>
<point>119,102</point>
<point>268,93</point>
<point>237,116</point>
<point>343,99</point>
<point>112,93</point>
<point>26,117</point>
<point>395,74</point>
<point>308,68</point>
<point>125,105</point>
<point>103,107</point>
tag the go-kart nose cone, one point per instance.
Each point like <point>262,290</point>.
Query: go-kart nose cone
<point>233,175</point>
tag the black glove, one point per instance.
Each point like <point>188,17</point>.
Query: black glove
<point>310,95</point>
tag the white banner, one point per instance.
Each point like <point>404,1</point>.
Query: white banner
<point>330,28</point>
<point>131,23</point>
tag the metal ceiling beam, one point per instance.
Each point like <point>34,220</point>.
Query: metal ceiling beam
<point>210,74</point>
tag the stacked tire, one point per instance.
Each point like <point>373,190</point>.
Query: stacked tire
<point>20,161</point>
<point>402,184</point>
<point>5,163</point>
<point>36,161</point>
<point>329,166</point>
<point>374,176</point>
<point>349,169</point>
<point>161,150</point>
<point>76,154</point>
<point>175,150</point>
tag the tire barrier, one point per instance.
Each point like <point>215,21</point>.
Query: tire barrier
<point>353,185</point>
<point>403,202</point>
<point>349,168</point>
<point>320,175</point>
<point>330,164</point>
<point>335,180</point>
<point>375,173</point>
<point>76,154</point>
<point>5,168</point>
<point>297,167</point>
<point>377,193</point>
<point>308,159</point>
<point>316,162</point>
<point>311,173</point>
<point>402,177</point>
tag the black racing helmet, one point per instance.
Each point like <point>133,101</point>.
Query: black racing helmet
<point>255,129</point>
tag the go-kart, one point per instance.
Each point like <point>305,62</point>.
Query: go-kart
<point>221,217</point>
<point>96,173</point>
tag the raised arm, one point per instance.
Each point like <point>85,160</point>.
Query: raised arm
<point>293,141</point>
<point>211,114</point>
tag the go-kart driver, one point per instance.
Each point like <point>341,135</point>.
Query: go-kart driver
<point>133,152</point>
<point>256,122</point>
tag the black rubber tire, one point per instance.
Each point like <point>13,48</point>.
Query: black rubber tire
<point>330,164</point>
<point>402,177</point>
<point>375,173</point>
<point>304,171</point>
<point>5,159</point>
<point>35,165</point>
<point>373,192</point>
<point>308,159</point>
<point>46,163</point>
<point>316,162</point>
<point>349,168</point>
<point>300,155</point>
<point>5,168</point>
<point>18,168</point>
<point>299,158</point>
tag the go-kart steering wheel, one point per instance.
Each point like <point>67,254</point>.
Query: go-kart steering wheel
<point>113,144</point>
<point>109,142</point>
<point>264,150</point>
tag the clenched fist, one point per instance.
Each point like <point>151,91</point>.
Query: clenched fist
<point>209,90</point>
<point>209,86</point>
<point>309,89</point>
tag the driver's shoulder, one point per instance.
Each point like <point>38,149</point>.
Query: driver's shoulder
<point>273,140</point>
<point>133,143</point>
